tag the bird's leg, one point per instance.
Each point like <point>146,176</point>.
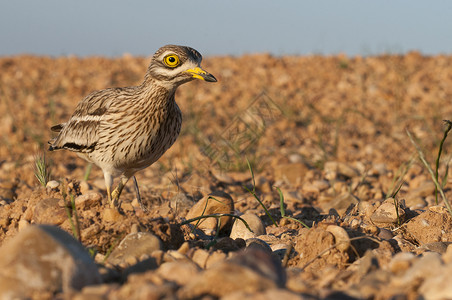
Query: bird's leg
<point>108,183</point>
<point>109,194</point>
<point>118,190</point>
<point>137,192</point>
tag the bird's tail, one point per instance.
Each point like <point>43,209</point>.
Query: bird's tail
<point>51,145</point>
<point>55,128</point>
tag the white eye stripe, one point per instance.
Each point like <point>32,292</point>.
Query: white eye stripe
<point>168,53</point>
<point>172,71</point>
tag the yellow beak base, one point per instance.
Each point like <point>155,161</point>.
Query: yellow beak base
<point>201,74</point>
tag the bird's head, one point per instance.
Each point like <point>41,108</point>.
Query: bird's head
<point>174,65</point>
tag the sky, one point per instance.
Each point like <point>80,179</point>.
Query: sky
<point>227,27</point>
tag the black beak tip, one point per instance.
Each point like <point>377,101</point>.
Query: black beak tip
<point>210,78</point>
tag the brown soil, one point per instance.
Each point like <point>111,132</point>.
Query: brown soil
<point>292,117</point>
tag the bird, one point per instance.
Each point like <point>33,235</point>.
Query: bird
<point>124,130</point>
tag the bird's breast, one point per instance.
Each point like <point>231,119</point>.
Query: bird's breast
<point>148,138</point>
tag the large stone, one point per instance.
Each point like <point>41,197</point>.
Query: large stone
<point>88,200</point>
<point>250,271</point>
<point>431,226</point>
<point>44,259</point>
<point>266,295</point>
<point>388,213</point>
<point>447,257</point>
<point>429,265</point>
<point>437,286</point>
<point>255,243</point>
<point>401,262</point>
<point>205,259</point>
<point>134,245</point>
<point>215,203</point>
<point>181,271</point>
<point>239,229</point>
<point>49,211</point>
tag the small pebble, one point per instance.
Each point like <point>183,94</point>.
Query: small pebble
<point>385,234</point>
<point>340,236</point>
<point>53,184</point>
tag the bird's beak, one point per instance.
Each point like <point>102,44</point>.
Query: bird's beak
<point>201,74</point>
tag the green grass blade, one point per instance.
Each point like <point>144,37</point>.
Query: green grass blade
<point>394,194</point>
<point>203,211</point>
<point>262,204</point>
<point>398,181</point>
<point>252,174</point>
<point>253,192</point>
<point>446,174</point>
<point>87,172</point>
<point>281,202</point>
<point>440,150</point>
<point>71,222</point>
<point>77,221</point>
<point>396,206</point>
<point>42,170</point>
<point>432,174</point>
<point>283,211</point>
<point>299,221</point>
<point>217,234</point>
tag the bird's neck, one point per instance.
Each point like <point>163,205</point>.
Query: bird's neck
<point>152,80</point>
<point>156,94</point>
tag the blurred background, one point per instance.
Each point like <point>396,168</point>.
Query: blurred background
<point>234,27</point>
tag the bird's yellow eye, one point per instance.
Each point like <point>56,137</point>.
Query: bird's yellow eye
<point>171,60</point>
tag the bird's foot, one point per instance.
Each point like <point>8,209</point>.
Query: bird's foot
<point>137,190</point>
<point>115,198</point>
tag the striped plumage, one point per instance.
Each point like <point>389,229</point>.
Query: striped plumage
<point>124,130</point>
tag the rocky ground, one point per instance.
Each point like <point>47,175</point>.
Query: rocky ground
<point>324,136</point>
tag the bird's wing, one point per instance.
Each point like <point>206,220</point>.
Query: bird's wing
<point>57,128</point>
<point>80,133</point>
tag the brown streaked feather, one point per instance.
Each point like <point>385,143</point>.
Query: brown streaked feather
<point>57,128</point>
<point>80,148</point>
<point>80,132</point>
